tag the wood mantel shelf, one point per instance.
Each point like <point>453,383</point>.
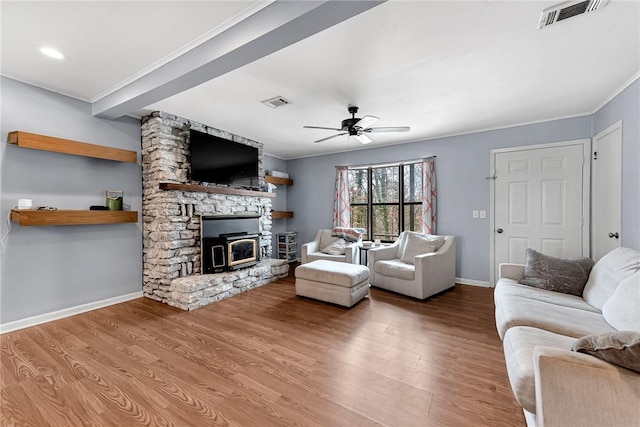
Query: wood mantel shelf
<point>215,190</point>
<point>67,146</point>
<point>277,180</point>
<point>26,217</point>
<point>281,214</point>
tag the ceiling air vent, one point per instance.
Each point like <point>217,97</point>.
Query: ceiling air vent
<point>276,102</point>
<point>569,9</point>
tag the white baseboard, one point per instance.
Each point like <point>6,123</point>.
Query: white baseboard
<point>473,282</point>
<point>67,312</point>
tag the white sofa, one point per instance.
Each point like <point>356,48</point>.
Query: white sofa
<point>429,274</point>
<point>312,251</point>
<point>555,385</point>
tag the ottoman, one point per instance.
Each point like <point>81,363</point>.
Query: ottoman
<point>335,282</point>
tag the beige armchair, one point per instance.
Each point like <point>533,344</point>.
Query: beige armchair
<point>312,251</point>
<point>391,268</point>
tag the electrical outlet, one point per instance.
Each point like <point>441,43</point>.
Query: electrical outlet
<point>483,214</point>
<point>474,213</point>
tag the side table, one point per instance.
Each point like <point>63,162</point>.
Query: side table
<point>364,254</point>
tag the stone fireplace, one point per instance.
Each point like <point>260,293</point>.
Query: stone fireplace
<point>172,235</point>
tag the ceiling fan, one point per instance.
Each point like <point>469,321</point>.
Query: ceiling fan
<point>357,127</point>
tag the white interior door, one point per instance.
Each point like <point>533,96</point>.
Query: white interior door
<point>607,188</point>
<point>539,202</point>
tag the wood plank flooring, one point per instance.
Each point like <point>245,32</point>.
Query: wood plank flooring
<point>264,358</point>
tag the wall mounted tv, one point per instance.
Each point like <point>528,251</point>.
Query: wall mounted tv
<point>221,161</point>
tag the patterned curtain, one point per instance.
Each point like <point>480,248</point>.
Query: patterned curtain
<point>429,196</point>
<point>341,203</point>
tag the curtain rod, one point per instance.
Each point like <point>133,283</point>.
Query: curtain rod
<point>366,165</point>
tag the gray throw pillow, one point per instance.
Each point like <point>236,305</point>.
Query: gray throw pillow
<point>621,348</point>
<point>566,275</point>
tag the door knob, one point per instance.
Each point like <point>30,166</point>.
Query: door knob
<point>616,235</point>
<point>499,230</point>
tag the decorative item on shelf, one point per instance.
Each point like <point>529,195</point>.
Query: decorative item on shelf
<point>114,199</point>
<point>25,204</point>
<point>367,243</point>
<point>279,174</point>
<point>376,242</point>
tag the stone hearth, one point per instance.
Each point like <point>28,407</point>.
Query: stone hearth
<point>189,293</point>
<point>171,220</point>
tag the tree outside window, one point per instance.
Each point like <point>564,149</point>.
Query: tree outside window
<point>386,200</point>
<point>359,197</point>
<point>412,208</point>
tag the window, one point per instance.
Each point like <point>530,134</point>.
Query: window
<point>386,200</point>
<point>359,198</point>
<point>412,196</point>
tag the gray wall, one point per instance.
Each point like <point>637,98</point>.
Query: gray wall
<point>626,106</point>
<point>45,269</point>
<point>461,167</point>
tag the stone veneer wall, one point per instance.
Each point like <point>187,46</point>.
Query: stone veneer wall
<point>171,219</point>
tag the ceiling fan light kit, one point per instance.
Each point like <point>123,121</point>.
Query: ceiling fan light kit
<point>356,127</point>
<point>364,139</point>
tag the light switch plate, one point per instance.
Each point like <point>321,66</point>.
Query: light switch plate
<point>474,213</point>
<point>483,214</point>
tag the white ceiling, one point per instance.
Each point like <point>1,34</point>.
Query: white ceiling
<point>442,68</point>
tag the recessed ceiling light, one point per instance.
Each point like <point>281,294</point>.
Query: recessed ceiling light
<point>51,52</point>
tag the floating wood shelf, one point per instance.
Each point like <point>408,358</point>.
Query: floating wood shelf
<point>67,146</point>
<point>280,181</point>
<point>26,217</point>
<point>214,190</point>
<point>281,214</point>
<point>276,180</point>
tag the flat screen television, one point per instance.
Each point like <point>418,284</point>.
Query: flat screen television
<point>221,161</point>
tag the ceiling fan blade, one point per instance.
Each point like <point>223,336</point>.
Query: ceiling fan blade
<point>329,137</point>
<point>320,127</point>
<point>366,121</point>
<point>364,139</point>
<point>389,129</point>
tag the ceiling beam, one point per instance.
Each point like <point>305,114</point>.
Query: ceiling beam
<point>276,26</point>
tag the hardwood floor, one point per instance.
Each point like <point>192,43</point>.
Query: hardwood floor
<point>264,358</point>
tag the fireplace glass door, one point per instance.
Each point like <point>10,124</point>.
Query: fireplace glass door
<point>241,251</point>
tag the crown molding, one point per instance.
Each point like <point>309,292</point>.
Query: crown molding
<point>617,92</point>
